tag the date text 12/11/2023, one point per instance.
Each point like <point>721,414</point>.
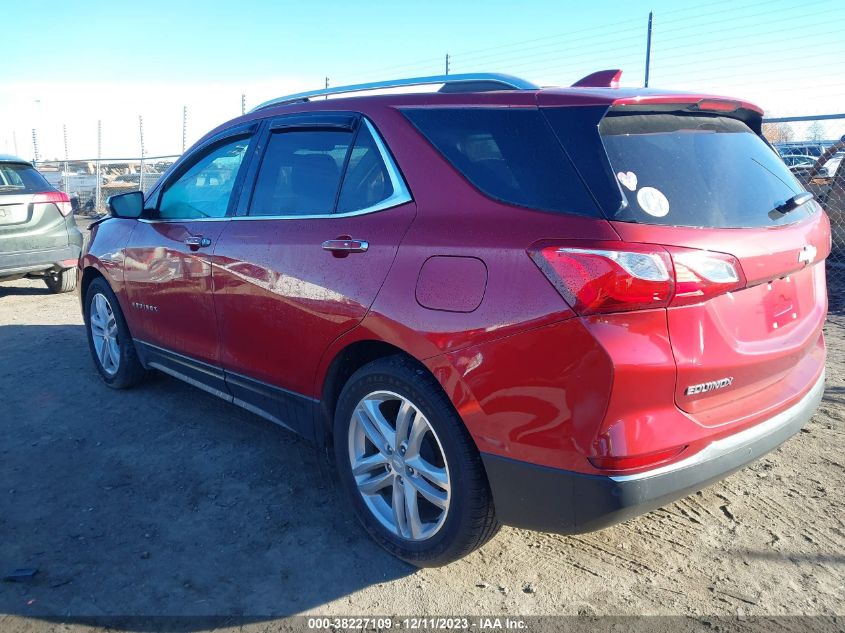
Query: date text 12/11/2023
<point>417,623</point>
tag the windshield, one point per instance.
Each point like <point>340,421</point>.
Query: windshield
<point>697,170</point>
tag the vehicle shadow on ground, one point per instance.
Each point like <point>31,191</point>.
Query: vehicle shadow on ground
<point>22,291</point>
<point>160,500</point>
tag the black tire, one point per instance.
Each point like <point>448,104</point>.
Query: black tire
<point>470,520</point>
<point>129,372</point>
<point>62,281</point>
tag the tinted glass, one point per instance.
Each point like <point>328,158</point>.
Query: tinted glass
<point>300,173</point>
<point>366,182</point>
<point>205,189</point>
<point>16,178</point>
<point>510,154</point>
<point>697,170</point>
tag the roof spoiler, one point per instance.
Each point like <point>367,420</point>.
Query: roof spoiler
<point>600,79</point>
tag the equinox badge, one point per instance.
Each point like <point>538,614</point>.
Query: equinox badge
<point>709,386</point>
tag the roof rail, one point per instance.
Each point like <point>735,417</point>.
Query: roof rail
<point>477,82</point>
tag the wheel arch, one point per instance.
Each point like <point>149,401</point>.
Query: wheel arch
<point>89,274</point>
<point>339,369</point>
<point>349,359</point>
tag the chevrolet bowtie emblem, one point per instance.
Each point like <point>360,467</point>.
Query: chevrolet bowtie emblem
<point>807,254</point>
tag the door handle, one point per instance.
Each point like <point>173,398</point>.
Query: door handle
<point>195,242</point>
<point>342,246</point>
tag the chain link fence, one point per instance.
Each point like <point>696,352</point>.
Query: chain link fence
<point>90,182</point>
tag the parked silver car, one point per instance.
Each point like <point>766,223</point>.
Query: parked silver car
<point>38,234</point>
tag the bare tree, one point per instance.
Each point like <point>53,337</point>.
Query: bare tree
<point>778,132</point>
<point>816,131</point>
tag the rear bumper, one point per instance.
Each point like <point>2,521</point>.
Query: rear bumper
<point>35,261</point>
<point>553,500</point>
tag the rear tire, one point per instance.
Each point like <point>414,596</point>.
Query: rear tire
<point>443,467</point>
<point>109,340</point>
<point>62,281</point>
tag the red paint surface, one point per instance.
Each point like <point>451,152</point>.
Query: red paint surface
<point>530,379</point>
<point>453,284</point>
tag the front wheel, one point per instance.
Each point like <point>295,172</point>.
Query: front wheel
<point>412,471</point>
<point>111,345</point>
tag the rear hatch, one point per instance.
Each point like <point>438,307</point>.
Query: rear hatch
<point>32,213</point>
<point>698,180</point>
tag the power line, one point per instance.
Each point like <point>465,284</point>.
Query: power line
<point>755,27</point>
<point>543,62</point>
<point>607,29</point>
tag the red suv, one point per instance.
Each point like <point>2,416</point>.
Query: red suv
<point>550,308</point>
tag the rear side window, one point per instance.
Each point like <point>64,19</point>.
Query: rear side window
<point>697,170</point>
<point>367,181</point>
<point>510,154</point>
<point>17,178</point>
<point>300,173</point>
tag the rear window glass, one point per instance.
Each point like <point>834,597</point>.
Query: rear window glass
<point>510,154</point>
<point>300,172</point>
<point>366,182</point>
<point>17,178</point>
<point>697,170</point>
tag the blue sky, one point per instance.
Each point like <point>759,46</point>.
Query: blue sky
<point>113,61</point>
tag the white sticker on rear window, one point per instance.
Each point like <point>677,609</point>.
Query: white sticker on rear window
<point>628,179</point>
<point>653,202</point>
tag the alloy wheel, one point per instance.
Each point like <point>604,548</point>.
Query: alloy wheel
<point>399,466</point>
<point>104,333</point>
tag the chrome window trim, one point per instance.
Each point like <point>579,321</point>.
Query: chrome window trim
<point>183,220</point>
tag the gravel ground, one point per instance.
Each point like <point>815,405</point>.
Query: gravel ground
<point>165,500</point>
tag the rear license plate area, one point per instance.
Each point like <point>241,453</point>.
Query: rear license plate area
<point>779,304</point>
<point>13,214</point>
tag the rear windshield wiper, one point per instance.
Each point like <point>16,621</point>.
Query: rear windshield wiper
<point>793,203</point>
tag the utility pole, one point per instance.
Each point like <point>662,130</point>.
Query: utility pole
<point>98,191</point>
<point>327,87</point>
<point>65,178</point>
<point>243,104</point>
<point>648,49</point>
<point>447,63</point>
<point>184,126</point>
<point>35,144</point>
<point>141,170</point>
<point>15,141</point>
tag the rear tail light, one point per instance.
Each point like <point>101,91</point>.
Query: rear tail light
<point>616,277</point>
<point>60,199</point>
<point>700,275</point>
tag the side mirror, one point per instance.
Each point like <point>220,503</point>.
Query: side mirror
<point>126,205</point>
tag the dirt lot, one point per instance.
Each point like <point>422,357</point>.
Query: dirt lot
<point>165,500</point>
